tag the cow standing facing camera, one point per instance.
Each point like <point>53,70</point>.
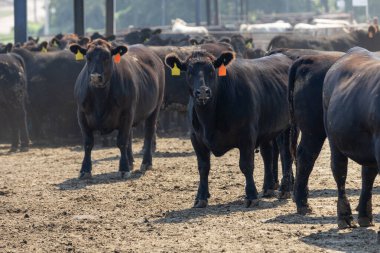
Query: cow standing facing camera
<point>243,106</point>
<point>116,93</point>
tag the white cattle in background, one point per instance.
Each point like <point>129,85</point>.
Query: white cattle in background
<point>180,26</point>
<point>276,27</point>
<point>323,27</point>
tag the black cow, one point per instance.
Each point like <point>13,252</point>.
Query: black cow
<point>140,36</point>
<point>306,77</point>
<point>13,93</point>
<point>338,43</point>
<point>51,78</point>
<point>6,48</point>
<point>116,96</point>
<point>245,109</point>
<point>351,106</point>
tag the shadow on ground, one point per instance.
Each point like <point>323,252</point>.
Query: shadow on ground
<point>179,216</point>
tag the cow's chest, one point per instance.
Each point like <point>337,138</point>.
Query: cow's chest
<point>218,142</point>
<point>105,122</point>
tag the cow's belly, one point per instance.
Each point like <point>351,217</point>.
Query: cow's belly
<point>219,143</point>
<point>105,124</point>
<point>356,145</point>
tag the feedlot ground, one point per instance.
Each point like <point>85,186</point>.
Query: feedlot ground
<point>44,208</point>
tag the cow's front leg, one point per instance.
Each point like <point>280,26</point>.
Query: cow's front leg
<point>203,158</point>
<point>88,136</point>
<point>246,164</point>
<point>122,141</point>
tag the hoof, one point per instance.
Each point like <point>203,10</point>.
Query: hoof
<point>200,203</point>
<point>145,167</point>
<point>251,202</point>
<point>303,210</point>
<point>365,222</point>
<point>269,193</point>
<point>346,223</point>
<point>85,175</point>
<point>12,150</point>
<point>24,149</point>
<point>284,195</point>
<point>125,174</point>
<point>276,186</point>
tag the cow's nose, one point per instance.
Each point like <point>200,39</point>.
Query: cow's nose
<point>96,78</point>
<point>203,94</point>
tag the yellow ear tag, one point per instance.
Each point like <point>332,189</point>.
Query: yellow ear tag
<point>44,50</point>
<point>222,70</point>
<point>175,70</point>
<point>249,45</point>
<point>117,58</point>
<point>79,56</point>
<point>55,44</point>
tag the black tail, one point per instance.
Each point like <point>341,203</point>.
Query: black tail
<point>293,123</point>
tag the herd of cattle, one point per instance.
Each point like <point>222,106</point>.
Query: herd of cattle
<point>320,88</point>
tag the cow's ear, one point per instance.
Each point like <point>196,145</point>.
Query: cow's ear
<point>55,42</point>
<point>172,60</point>
<point>157,31</point>
<point>8,47</point>
<point>74,48</point>
<point>84,41</point>
<point>225,40</point>
<point>224,59</point>
<point>42,47</point>
<point>119,49</point>
<point>249,43</point>
<point>111,37</point>
<point>193,41</point>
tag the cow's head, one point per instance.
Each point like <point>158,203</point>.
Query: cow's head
<point>99,65</point>
<point>201,70</point>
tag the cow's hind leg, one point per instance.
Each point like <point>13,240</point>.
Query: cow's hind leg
<point>203,158</point>
<point>150,131</point>
<point>276,154</point>
<point>14,131</point>
<point>365,202</point>
<point>266,150</point>
<point>307,152</point>
<point>286,163</point>
<point>339,170</point>
<point>23,130</point>
<point>246,164</point>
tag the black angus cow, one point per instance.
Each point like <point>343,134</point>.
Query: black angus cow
<point>334,43</point>
<point>51,108</point>
<point>306,77</point>
<point>116,96</point>
<point>13,95</point>
<point>140,36</point>
<point>245,109</point>
<point>351,107</point>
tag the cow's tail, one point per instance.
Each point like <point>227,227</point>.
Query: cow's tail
<point>293,123</point>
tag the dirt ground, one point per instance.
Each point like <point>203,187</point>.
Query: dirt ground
<point>44,208</point>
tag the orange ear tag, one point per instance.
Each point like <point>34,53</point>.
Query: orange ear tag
<point>117,58</point>
<point>222,70</point>
<point>79,56</point>
<point>175,70</point>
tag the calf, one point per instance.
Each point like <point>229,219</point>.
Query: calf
<point>13,93</point>
<point>351,107</point>
<point>116,95</point>
<point>242,107</point>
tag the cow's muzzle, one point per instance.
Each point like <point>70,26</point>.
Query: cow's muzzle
<point>202,95</point>
<point>97,80</point>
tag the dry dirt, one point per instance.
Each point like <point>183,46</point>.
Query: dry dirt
<point>44,208</point>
